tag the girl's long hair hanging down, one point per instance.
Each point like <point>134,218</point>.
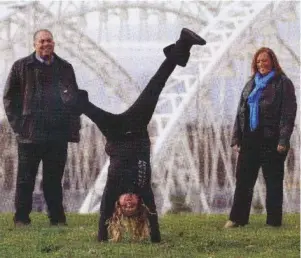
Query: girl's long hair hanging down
<point>137,224</point>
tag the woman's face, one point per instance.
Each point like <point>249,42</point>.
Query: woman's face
<point>264,63</point>
<point>128,203</point>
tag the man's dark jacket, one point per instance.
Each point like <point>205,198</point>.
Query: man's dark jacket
<point>19,93</point>
<point>277,111</point>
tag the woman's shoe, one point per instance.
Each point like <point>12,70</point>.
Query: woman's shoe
<point>231,224</point>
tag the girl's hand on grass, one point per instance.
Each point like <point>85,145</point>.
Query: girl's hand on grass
<point>281,149</point>
<point>236,148</point>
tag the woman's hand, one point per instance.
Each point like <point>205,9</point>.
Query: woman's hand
<point>236,148</point>
<point>281,149</point>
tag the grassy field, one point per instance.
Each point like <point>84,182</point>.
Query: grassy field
<point>184,235</point>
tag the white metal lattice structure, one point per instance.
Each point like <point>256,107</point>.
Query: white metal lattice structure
<point>233,25</point>
<point>186,163</point>
<point>69,22</point>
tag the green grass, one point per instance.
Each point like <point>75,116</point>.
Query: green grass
<point>183,235</point>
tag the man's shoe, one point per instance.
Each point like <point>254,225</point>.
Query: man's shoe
<point>231,224</point>
<point>273,225</point>
<point>58,224</point>
<point>21,224</point>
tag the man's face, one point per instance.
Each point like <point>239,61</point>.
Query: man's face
<point>128,203</point>
<point>44,44</point>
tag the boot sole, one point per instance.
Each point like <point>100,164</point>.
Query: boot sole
<point>192,35</point>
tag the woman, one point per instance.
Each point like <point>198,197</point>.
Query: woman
<point>263,127</point>
<point>128,200</point>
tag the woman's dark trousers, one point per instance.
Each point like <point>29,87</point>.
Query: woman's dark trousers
<point>53,155</point>
<point>256,153</point>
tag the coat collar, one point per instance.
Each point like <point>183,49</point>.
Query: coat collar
<point>251,84</point>
<point>249,87</point>
<point>31,58</point>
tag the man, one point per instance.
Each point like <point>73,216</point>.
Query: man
<point>36,97</point>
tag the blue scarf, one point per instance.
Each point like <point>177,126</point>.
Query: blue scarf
<point>253,99</point>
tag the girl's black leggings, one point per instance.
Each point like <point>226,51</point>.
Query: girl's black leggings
<point>140,112</point>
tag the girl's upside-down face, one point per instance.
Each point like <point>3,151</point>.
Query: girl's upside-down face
<point>128,203</point>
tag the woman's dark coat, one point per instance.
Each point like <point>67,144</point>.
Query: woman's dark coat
<point>277,111</point>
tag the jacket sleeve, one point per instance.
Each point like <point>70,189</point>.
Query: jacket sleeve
<point>74,83</point>
<point>12,99</point>
<point>107,207</point>
<point>75,122</point>
<point>287,112</point>
<point>68,84</point>
<point>237,132</point>
<point>72,79</point>
<point>149,201</point>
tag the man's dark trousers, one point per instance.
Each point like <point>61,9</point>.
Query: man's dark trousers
<point>54,156</point>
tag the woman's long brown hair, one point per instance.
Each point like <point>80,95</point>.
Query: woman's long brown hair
<point>272,55</point>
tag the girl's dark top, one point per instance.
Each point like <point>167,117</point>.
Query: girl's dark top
<point>129,172</point>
